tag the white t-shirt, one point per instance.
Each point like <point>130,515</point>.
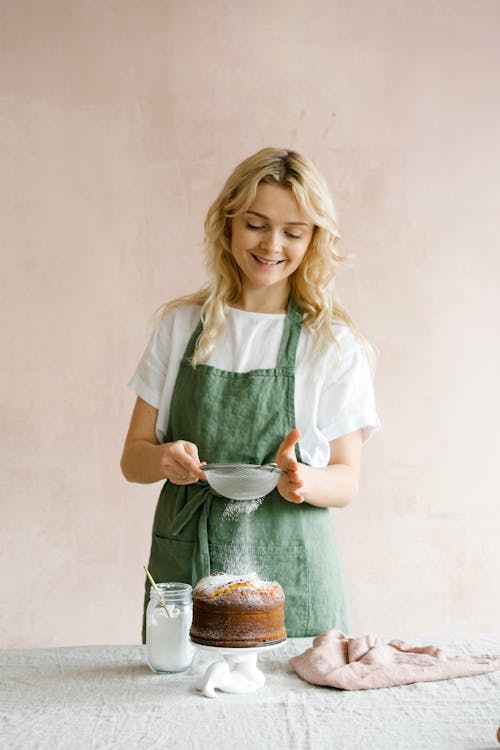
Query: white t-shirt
<point>333,391</point>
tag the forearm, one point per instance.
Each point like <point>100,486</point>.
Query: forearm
<point>333,486</point>
<point>141,462</point>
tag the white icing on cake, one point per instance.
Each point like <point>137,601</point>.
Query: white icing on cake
<point>210,584</point>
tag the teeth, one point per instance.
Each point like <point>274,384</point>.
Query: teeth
<point>268,262</point>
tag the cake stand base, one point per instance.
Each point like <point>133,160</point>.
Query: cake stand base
<point>235,672</point>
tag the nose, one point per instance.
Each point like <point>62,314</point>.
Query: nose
<point>271,241</point>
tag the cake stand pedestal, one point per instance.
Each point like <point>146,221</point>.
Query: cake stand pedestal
<point>235,671</point>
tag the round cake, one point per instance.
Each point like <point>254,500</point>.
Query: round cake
<point>237,612</point>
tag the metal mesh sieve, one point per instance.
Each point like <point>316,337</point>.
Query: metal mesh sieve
<point>242,481</point>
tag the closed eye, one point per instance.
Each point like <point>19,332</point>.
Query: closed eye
<point>260,227</point>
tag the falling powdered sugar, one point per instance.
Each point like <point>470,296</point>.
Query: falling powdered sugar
<point>240,557</point>
<point>238,508</point>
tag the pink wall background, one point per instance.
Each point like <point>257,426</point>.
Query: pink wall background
<point>119,122</point>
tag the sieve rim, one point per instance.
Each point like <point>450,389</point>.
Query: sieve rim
<point>257,467</point>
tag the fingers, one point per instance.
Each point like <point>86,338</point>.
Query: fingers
<point>293,494</point>
<point>180,462</point>
<point>290,484</point>
<point>291,439</point>
<point>295,497</point>
<point>290,489</point>
<point>285,457</point>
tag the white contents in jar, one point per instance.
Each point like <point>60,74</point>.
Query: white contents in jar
<point>168,647</point>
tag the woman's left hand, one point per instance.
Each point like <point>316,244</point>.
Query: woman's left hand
<point>290,483</point>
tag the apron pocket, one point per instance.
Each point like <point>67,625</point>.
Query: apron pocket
<point>171,559</point>
<point>287,565</point>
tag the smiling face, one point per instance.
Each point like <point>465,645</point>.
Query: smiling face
<point>269,240</point>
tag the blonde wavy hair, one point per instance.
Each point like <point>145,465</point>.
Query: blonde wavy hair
<point>312,282</point>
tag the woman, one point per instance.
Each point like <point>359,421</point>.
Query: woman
<point>233,370</point>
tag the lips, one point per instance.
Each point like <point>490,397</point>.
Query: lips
<point>267,261</point>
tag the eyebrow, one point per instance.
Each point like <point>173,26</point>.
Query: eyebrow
<point>288,223</point>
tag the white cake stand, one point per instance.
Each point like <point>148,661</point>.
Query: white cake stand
<point>236,670</point>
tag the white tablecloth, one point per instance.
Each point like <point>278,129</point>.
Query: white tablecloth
<point>96,697</point>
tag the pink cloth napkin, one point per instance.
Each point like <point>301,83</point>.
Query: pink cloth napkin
<point>365,662</point>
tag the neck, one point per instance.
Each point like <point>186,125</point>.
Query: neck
<point>263,300</point>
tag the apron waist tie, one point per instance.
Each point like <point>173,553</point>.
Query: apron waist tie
<point>201,557</point>
<point>197,499</point>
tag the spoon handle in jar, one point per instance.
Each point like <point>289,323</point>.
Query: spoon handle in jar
<point>153,584</point>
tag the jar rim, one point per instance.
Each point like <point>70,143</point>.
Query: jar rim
<point>173,586</point>
<point>172,591</point>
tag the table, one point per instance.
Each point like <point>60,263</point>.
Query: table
<point>100,697</point>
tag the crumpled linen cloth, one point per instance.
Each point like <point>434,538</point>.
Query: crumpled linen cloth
<point>338,661</point>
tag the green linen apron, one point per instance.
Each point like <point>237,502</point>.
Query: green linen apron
<point>243,417</point>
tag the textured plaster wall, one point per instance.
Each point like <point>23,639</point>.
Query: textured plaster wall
<point>119,121</point>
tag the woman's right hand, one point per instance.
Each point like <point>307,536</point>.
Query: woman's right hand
<point>146,460</point>
<point>180,462</point>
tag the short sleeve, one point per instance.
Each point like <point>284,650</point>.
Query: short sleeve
<point>156,374</point>
<point>149,378</point>
<point>347,401</point>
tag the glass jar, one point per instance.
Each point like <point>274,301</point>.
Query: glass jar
<point>168,619</point>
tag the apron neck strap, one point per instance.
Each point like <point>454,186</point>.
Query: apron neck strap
<point>192,342</point>
<point>291,333</point>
